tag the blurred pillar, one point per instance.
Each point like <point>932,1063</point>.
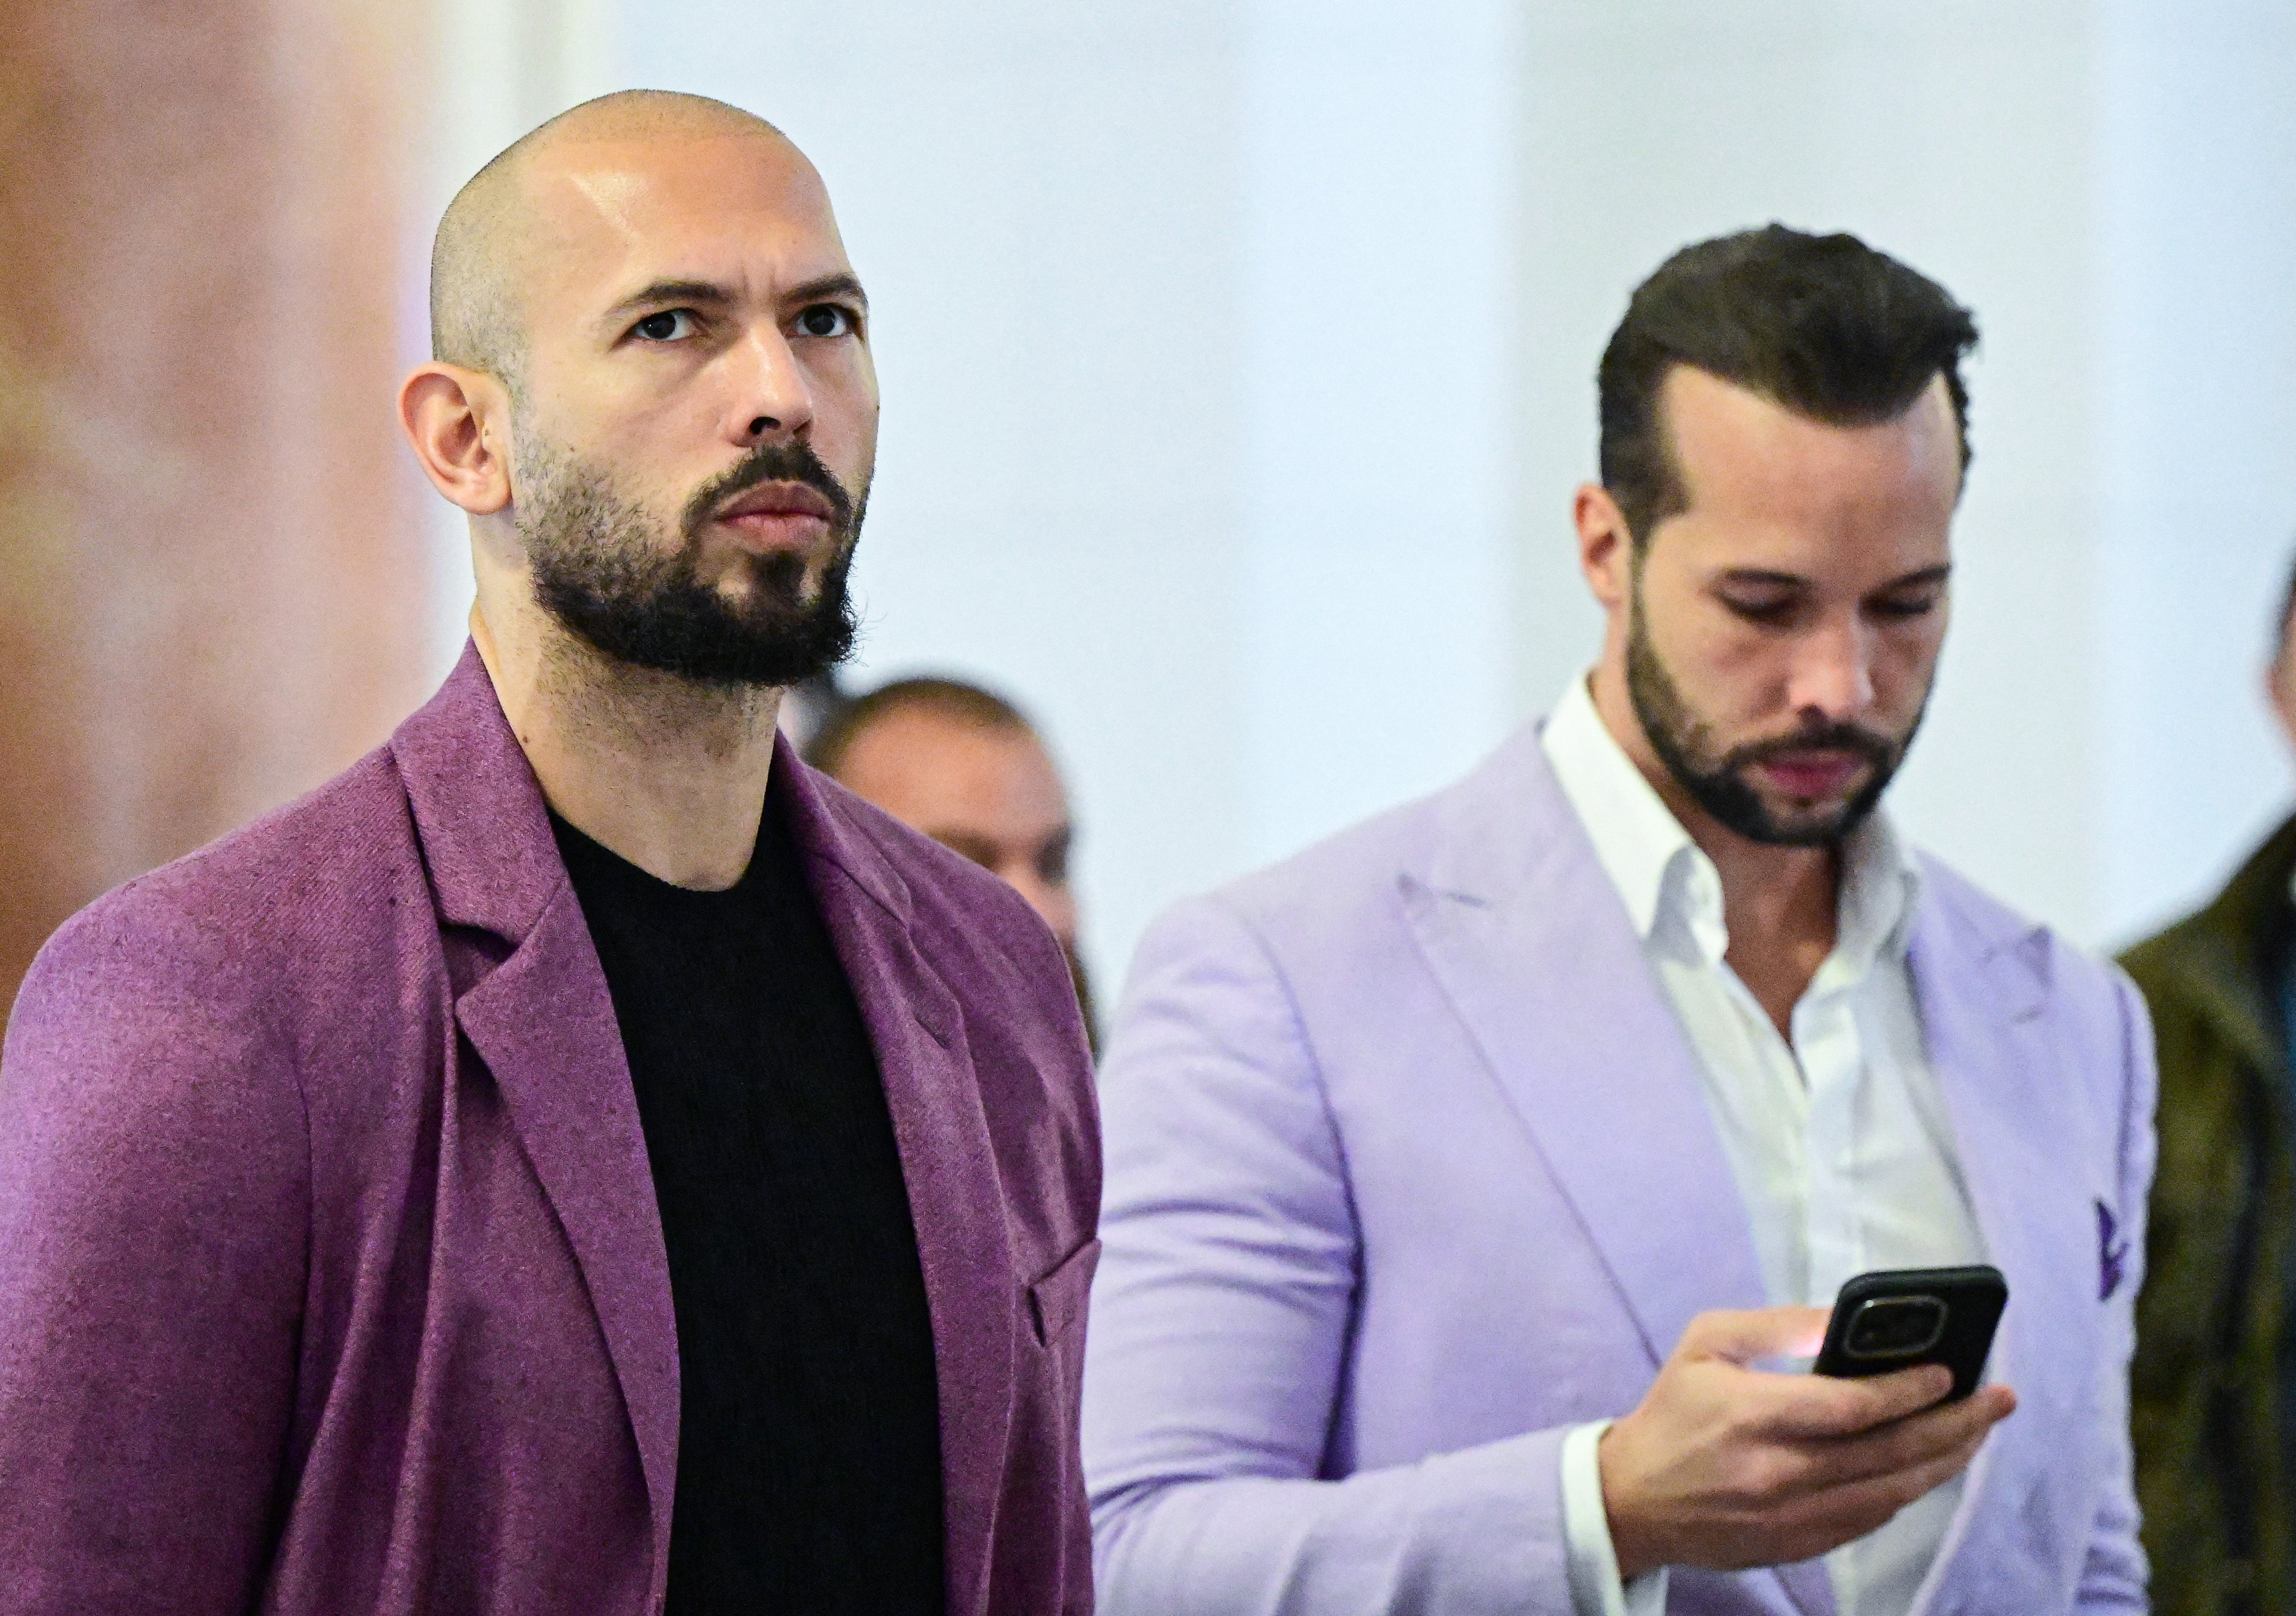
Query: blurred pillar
<point>212,583</point>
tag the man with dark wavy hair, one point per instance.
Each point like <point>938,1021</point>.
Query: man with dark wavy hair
<point>1469,1173</point>
<point>579,1160</point>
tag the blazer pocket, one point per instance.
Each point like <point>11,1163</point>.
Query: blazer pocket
<point>1057,1300</point>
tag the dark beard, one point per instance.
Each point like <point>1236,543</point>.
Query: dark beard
<point>599,569</point>
<point>1719,785</point>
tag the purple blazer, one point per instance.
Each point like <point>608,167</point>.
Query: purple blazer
<point>1409,1170</point>
<point>331,1278</point>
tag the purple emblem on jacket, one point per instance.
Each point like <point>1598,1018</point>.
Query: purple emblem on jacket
<point>2112,1253</point>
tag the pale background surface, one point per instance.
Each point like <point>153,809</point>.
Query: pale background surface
<point>1238,362</point>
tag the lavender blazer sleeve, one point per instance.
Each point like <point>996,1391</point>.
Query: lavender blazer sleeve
<point>330,1276</point>
<point>1227,1299</point>
<point>1408,1172</point>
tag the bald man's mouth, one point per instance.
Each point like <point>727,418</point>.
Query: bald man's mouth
<point>778,516</point>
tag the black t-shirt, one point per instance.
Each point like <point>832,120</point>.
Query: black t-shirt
<point>809,1463</point>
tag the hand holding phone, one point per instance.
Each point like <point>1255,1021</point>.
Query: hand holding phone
<point>1897,1318</point>
<point>1727,1466</point>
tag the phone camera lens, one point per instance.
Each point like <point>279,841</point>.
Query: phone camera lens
<point>1896,1326</point>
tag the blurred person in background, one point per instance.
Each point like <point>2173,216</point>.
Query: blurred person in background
<point>963,765</point>
<point>2214,1388</point>
<point>576,1161</point>
<point>1467,1173</point>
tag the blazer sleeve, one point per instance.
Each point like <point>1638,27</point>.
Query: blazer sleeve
<point>2114,1574</point>
<point>1220,1320</point>
<point>153,1218</point>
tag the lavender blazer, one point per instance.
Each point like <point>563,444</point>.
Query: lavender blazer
<point>331,1278</point>
<point>1409,1170</point>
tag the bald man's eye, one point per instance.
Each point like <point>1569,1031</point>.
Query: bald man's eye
<point>825,320</point>
<point>666,326</point>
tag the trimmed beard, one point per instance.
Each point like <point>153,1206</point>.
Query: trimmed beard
<point>1719,783</point>
<point>601,569</point>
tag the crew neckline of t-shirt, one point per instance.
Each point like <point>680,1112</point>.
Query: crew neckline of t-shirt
<point>601,859</point>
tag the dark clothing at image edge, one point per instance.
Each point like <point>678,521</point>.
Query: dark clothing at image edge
<point>2210,1386</point>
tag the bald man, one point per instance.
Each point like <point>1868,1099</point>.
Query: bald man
<point>966,768</point>
<point>578,1160</point>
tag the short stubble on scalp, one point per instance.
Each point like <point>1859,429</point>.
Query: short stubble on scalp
<point>478,255</point>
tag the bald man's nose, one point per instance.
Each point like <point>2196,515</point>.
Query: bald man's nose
<point>771,399</point>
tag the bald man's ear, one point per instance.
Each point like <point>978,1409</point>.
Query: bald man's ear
<point>458,421</point>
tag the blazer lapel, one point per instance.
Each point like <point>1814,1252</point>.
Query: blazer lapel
<point>1534,949</point>
<point>543,1023</point>
<point>947,1159</point>
<point>1982,1001</point>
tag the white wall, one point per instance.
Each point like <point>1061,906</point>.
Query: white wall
<point>1380,273</point>
<point>1238,363</point>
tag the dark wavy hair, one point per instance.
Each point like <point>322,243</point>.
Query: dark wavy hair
<point>1822,324</point>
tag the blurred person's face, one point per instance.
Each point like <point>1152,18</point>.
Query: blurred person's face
<point>2280,679</point>
<point>696,415</point>
<point>989,793</point>
<point>1778,638</point>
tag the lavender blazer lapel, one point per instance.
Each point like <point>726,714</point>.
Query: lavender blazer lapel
<point>948,1161</point>
<point>1536,951</point>
<point>543,1023</point>
<point>1983,1001</point>
<point>1980,1002</point>
<point>1533,947</point>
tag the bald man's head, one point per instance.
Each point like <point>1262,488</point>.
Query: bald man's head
<point>653,390</point>
<point>477,318</point>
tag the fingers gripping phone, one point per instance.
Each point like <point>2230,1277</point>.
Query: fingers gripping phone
<point>1896,1320</point>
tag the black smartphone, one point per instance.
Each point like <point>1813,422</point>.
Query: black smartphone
<point>1894,1320</point>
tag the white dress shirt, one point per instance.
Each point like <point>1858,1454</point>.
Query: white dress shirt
<point>1837,1138</point>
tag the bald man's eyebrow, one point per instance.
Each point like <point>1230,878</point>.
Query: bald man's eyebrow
<point>825,287</point>
<point>672,291</point>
